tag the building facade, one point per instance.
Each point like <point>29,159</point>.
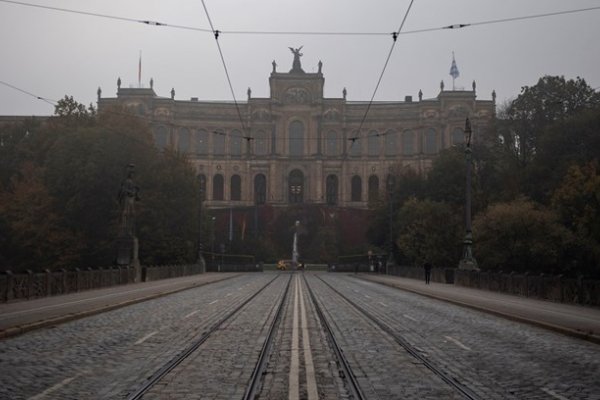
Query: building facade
<point>299,147</point>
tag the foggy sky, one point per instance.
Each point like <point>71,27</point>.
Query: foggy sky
<point>51,53</point>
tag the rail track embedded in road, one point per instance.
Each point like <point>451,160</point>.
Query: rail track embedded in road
<point>261,364</point>
<point>410,349</point>
<point>175,361</point>
<point>352,383</point>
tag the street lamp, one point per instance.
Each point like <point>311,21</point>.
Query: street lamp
<point>202,181</point>
<point>391,182</point>
<point>468,261</point>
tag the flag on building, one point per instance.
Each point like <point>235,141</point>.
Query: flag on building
<point>454,69</point>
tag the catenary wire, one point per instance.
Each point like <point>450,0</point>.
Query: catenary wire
<point>387,60</point>
<point>299,33</point>
<point>216,34</point>
<point>49,101</point>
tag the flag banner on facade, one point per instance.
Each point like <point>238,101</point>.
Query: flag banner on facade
<point>454,69</point>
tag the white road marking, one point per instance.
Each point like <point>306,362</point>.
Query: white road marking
<point>148,336</point>
<point>53,388</point>
<point>311,382</point>
<point>409,317</point>
<point>383,304</point>
<point>456,342</point>
<point>213,302</point>
<point>294,375</point>
<point>192,313</point>
<point>367,296</point>
<point>554,394</point>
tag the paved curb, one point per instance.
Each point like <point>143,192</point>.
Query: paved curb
<point>20,329</point>
<point>590,337</point>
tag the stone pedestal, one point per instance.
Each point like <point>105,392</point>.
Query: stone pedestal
<point>127,255</point>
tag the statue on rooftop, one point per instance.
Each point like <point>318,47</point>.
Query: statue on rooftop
<point>296,66</point>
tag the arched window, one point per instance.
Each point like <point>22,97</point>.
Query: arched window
<point>218,143</point>
<point>331,190</point>
<point>373,144</point>
<point>391,143</point>
<point>235,143</point>
<point>261,143</point>
<point>408,147</point>
<point>331,144</point>
<point>202,183</point>
<point>430,142</point>
<point>373,188</point>
<point>218,186</point>
<point>260,189</point>
<point>202,142</point>
<point>356,188</point>
<point>296,186</point>
<point>236,188</point>
<point>161,137</point>
<point>183,140</point>
<point>458,137</point>
<point>296,137</point>
<point>390,184</point>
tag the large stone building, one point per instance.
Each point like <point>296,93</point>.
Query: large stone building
<point>297,146</point>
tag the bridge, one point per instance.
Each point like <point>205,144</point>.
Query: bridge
<point>297,335</point>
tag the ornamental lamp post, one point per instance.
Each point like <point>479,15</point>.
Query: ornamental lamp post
<point>468,262</point>
<point>202,181</point>
<point>391,183</point>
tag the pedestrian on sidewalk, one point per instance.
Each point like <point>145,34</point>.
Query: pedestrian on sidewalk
<point>427,267</point>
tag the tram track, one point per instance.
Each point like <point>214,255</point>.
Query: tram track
<point>172,364</point>
<point>345,369</point>
<point>465,391</point>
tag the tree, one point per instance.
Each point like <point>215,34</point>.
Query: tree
<point>421,237</point>
<point>33,235</point>
<point>521,236</point>
<point>80,160</point>
<point>577,202</point>
<point>572,141</point>
<point>552,99</point>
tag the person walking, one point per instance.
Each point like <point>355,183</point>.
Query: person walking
<point>427,267</point>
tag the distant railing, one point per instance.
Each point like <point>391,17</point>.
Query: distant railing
<point>544,287</point>
<point>31,285</point>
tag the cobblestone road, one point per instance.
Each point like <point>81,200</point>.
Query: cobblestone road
<point>105,356</point>
<point>495,357</point>
<point>108,355</point>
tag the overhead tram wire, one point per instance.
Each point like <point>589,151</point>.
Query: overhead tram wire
<point>387,60</point>
<point>237,106</point>
<point>299,33</point>
<point>98,15</point>
<point>49,101</point>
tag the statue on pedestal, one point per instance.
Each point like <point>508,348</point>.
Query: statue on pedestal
<point>127,246</point>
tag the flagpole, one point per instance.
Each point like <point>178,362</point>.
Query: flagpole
<point>140,71</point>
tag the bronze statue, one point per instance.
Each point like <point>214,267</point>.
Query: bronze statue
<point>296,66</point>
<point>128,195</point>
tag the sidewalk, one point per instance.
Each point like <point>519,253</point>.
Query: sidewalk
<point>22,316</point>
<point>577,321</point>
